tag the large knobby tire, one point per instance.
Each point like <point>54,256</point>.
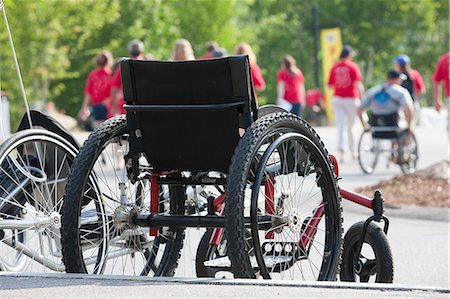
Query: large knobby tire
<point>375,260</point>
<point>91,241</point>
<point>245,161</point>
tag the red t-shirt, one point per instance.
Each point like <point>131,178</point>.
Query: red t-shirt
<point>207,56</point>
<point>418,82</point>
<point>313,96</point>
<point>441,73</point>
<point>292,82</point>
<point>258,80</point>
<point>116,82</point>
<point>343,76</point>
<point>98,85</point>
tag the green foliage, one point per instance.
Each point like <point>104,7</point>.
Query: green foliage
<point>57,40</point>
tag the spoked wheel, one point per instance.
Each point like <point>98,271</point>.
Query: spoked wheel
<point>282,187</point>
<point>368,152</point>
<point>374,264</point>
<point>95,238</point>
<point>408,153</point>
<point>34,167</point>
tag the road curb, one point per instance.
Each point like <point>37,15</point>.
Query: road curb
<point>234,282</point>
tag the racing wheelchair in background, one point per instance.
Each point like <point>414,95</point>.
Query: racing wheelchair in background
<point>191,152</point>
<point>384,136</point>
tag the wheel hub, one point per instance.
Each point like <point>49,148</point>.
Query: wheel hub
<point>123,216</point>
<point>294,220</point>
<point>55,220</point>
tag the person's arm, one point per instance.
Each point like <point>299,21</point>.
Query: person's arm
<point>302,94</point>
<point>258,80</point>
<point>362,118</point>
<point>409,113</point>
<point>365,103</point>
<point>419,85</point>
<point>360,87</point>
<point>437,95</point>
<point>280,91</point>
<point>84,111</point>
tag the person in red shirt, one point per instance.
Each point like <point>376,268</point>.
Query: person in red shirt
<point>441,75</point>
<point>412,81</point>
<point>258,81</point>
<point>214,51</point>
<point>314,112</point>
<point>345,78</point>
<point>97,89</point>
<point>402,64</point>
<point>291,85</point>
<point>136,51</point>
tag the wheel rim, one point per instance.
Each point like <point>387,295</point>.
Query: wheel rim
<point>368,152</point>
<point>294,246</point>
<point>409,153</point>
<point>106,247</point>
<point>33,173</point>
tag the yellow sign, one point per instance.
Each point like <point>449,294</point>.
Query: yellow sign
<point>331,44</point>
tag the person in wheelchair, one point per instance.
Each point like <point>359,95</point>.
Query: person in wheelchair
<point>385,102</point>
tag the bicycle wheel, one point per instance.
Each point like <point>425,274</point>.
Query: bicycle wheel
<point>34,166</point>
<point>92,241</point>
<point>375,261</point>
<point>282,185</point>
<point>368,152</point>
<point>408,152</point>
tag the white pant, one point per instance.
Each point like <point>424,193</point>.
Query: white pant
<point>448,115</point>
<point>345,113</point>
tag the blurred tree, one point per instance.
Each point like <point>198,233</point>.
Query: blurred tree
<point>56,40</point>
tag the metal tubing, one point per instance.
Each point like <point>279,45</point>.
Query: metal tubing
<point>36,256</point>
<point>356,198</point>
<point>190,181</point>
<point>24,224</point>
<point>144,220</point>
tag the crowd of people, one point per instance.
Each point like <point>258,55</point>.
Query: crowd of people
<point>402,90</point>
<point>103,91</point>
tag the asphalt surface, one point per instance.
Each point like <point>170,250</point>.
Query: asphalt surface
<point>76,286</point>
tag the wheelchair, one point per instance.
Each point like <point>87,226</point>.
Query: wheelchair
<point>385,137</point>
<point>193,153</point>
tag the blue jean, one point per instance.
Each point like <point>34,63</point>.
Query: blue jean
<point>296,109</point>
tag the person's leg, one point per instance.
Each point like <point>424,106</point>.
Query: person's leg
<point>350,110</point>
<point>339,114</point>
<point>448,116</point>
<point>296,109</point>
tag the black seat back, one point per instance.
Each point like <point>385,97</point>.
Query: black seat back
<point>188,113</point>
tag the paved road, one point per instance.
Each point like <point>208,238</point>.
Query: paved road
<point>74,286</point>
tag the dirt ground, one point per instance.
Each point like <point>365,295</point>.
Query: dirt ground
<point>428,187</point>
